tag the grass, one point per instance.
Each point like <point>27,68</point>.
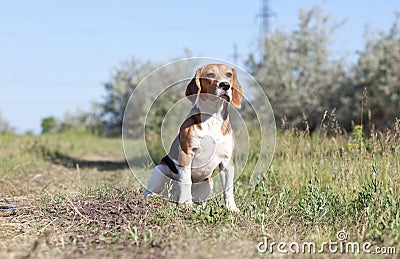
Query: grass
<point>76,196</point>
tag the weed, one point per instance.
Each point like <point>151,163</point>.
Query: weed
<point>318,205</point>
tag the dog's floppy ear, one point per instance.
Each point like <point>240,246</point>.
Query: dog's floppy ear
<point>237,92</point>
<point>193,88</point>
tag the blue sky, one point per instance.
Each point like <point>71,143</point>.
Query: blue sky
<point>56,55</point>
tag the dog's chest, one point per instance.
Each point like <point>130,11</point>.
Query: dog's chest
<point>210,148</point>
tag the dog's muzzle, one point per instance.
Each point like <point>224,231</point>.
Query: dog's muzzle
<point>223,88</point>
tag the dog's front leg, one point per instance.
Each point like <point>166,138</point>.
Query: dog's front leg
<point>227,175</point>
<point>185,186</point>
<point>185,178</point>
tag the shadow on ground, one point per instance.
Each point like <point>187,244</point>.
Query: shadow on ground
<point>59,158</point>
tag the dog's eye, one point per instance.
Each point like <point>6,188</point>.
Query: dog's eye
<point>228,75</point>
<point>210,75</point>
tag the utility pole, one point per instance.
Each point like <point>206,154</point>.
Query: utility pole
<point>264,16</point>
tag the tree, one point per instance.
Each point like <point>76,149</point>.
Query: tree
<point>297,71</point>
<point>49,125</point>
<point>153,125</point>
<point>82,120</point>
<point>118,90</point>
<point>168,80</point>
<point>378,72</point>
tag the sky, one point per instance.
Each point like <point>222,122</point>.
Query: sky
<point>55,56</point>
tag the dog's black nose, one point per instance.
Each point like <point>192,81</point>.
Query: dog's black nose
<point>224,85</point>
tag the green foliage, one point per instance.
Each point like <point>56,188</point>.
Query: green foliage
<point>377,71</point>
<point>79,120</point>
<point>318,205</point>
<point>379,207</point>
<point>153,126</point>
<point>304,80</point>
<point>48,125</point>
<point>118,90</point>
<point>297,71</point>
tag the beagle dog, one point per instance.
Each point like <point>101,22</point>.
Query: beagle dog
<point>205,141</point>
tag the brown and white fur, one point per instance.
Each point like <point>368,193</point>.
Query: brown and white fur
<point>205,141</point>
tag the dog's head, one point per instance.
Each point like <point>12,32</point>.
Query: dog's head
<point>215,80</point>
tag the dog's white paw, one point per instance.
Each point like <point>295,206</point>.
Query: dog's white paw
<point>231,206</point>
